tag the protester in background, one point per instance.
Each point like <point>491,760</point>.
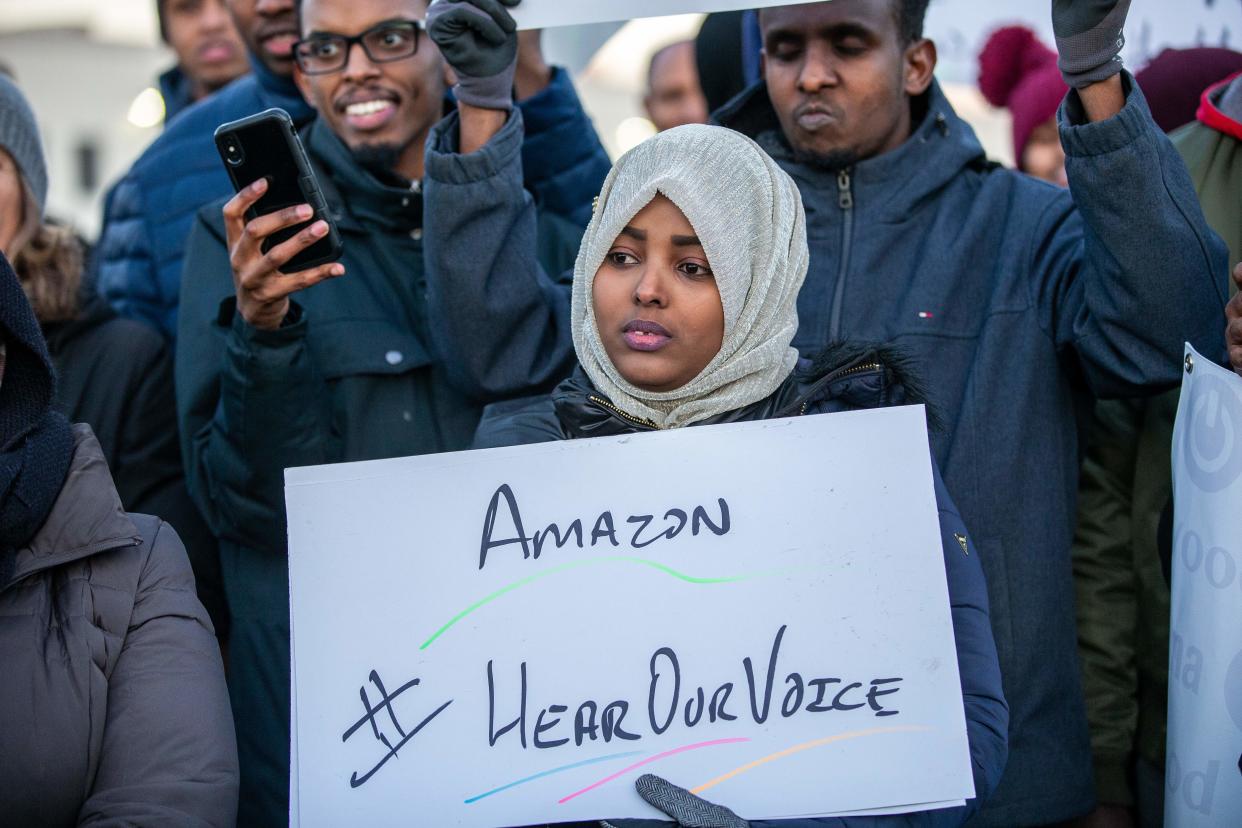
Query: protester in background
<point>1019,73</point>
<point>113,707</point>
<point>1212,147</point>
<point>149,212</point>
<point>1124,494</point>
<point>209,51</point>
<point>1175,79</point>
<point>674,96</point>
<point>115,375</point>
<point>277,370</point>
<point>667,337</point>
<point>1017,305</point>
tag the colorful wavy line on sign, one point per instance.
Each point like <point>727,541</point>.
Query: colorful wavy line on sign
<point>542,774</point>
<point>648,761</point>
<point>556,570</point>
<point>840,737</point>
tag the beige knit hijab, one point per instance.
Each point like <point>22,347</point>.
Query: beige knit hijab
<point>748,214</point>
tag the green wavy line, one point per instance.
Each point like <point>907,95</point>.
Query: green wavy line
<point>668,570</point>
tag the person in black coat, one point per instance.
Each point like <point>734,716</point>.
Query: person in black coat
<point>113,374</point>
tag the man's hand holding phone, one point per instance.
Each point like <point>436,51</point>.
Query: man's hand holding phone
<point>262,290</point>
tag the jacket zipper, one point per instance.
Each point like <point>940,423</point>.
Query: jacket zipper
<point>600,401</point>
<point>848,372</point>
<point>845,200</point>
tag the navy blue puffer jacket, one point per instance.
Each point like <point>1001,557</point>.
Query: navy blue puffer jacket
<point>148,213</point>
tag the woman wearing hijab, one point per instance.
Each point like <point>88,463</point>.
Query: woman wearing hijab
<point>113,707</point>
<point>683,313</point>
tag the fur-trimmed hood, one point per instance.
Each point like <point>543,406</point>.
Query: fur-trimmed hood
<point>843,377</point>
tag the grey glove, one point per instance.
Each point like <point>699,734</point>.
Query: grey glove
<point>685,807</point>
<point>479,40</point>
<point>1089,37</point>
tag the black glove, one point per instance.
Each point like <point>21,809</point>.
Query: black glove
<point>479,40</point>
<point>1089,37</point>
<point>685,807</point>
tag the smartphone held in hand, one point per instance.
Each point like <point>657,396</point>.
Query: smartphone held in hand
<point>267,146</point>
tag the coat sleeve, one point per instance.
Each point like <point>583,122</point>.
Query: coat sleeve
<point>987,713</point>
<point>499,323</point>
<point>168,755</point>
<point>565,165</point>
<point>1133,272</point>
<point>251,403</point>
<point>1106,592</point>
<point>126,273</point>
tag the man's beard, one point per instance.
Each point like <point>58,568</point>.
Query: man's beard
<point>833,161</point>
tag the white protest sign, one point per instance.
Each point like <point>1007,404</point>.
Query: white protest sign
<point>546,14</point>
<point>757,612</point>
<point>1203,780</point>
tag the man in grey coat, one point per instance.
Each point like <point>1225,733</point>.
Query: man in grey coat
<point>1018,301</point>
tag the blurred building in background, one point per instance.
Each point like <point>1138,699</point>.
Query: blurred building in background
<point>89,68</point>
<point>84,65</point>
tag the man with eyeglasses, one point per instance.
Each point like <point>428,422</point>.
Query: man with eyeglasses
<point>340,362</point>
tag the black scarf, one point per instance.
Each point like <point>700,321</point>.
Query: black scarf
<point>36,443</point>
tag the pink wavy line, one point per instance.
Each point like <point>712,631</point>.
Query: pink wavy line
<point>648,761</point>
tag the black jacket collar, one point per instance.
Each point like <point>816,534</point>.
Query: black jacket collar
<point>852,376</point>
<point>358,200</point>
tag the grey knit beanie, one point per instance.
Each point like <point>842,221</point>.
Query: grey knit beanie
<point>19,137</point>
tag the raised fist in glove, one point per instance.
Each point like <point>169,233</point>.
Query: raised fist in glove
<point>687,809</point>
<point>479,40</point>
<point>1089,37</point>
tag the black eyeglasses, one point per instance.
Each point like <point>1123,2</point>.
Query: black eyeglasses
<point>383,43</point>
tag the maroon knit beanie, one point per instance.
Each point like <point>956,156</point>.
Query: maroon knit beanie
<point>1020,73</point>
<point>1174,81</point>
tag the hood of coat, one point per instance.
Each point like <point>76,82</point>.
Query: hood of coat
<point>843,377</point>
<point>895,183</point>
<point>87,517</point>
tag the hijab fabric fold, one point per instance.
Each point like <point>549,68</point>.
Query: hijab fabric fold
<point>748,214</point>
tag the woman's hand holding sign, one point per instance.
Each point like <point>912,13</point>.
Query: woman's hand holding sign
<point>262,290</point>
<point>687,809</point>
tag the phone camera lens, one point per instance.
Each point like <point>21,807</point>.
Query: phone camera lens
<point>233,153</point>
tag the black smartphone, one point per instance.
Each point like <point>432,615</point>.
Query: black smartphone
<point>267,146</point>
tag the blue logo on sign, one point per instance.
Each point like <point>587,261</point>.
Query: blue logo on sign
<point>1212,444</point>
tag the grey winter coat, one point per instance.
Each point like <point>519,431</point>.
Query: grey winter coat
<point>113,708</point>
